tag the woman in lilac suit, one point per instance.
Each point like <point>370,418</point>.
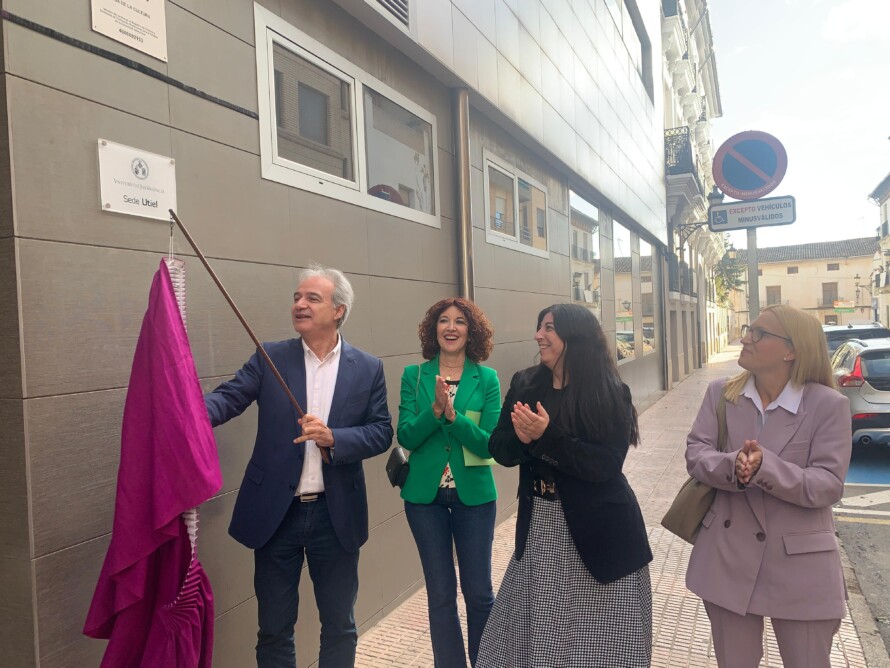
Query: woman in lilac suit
<point>767,546</point>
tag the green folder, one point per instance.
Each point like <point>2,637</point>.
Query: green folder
<point>471,459</point>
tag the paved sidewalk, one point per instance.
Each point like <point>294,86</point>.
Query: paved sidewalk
<point>656,469</point>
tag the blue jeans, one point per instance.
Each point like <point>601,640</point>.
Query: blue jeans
<point>306,530</point>
<point>438,528</point>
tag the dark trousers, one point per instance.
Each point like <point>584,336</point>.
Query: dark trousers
<point>439,528</point>
<point>305,531</point>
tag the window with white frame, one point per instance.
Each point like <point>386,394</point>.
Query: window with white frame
<point>329,127</point>
<point>516,208</point>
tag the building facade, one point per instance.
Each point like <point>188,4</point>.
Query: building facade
<point>695,322</point>
<point>880,277</point>
<point>830,279</point>
<point>509,151</point>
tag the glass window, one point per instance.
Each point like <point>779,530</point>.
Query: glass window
<point>532,215</point>
<point>585,251</point>
<point>834,266</point>
<point>517,208</point>
<point>648,300</point>
<point>399,153</point>
<point>313,116</point>
<point>792,270</point>
<point>624,306</point>
<point>829,294</point>
<point>330,128</point>
<point>500,197</point>
<point>773,294</point>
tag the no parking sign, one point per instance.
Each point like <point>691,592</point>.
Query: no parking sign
<point>750,165</point>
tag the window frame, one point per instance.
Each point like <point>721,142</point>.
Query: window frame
<point>271,29</point>
<point>502,239</point>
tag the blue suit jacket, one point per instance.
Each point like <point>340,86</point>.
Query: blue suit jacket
<point>359,419</point>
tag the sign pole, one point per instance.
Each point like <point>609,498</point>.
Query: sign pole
<point>753,280</point>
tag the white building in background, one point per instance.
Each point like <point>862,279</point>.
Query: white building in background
<point>880,278</point>
<point>696,325</point>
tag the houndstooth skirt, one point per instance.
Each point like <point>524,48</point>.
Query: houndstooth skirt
<point>550,612</point>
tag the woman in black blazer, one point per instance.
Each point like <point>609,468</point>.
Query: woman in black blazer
<point>577,590</point>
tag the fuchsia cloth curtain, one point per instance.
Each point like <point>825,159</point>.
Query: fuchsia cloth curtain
<point>153,601</point>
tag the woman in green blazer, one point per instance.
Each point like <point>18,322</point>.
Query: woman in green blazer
<point>449,406</point>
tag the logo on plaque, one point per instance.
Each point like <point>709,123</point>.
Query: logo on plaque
<point>139,168</point>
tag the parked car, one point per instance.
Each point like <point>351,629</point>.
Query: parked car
<point>835,335</point>
<point>862,372</point>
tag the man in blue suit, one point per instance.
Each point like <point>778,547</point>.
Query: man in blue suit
<point>303,492</point>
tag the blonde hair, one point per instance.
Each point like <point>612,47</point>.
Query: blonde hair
<point>811,363</point>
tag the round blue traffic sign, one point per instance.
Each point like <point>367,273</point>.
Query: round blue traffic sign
<point>750,165</point>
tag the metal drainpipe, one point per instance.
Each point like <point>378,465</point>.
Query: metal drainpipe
<point>466,279</point>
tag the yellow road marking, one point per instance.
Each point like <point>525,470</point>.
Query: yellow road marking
<point>861,520</point>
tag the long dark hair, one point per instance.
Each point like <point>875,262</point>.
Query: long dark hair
<point>595,401</point>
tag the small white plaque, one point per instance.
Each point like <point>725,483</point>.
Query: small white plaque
<point>136,182</point>
<point>141,24</point>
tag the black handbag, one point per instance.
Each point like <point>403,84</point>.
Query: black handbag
<point>397,467</point>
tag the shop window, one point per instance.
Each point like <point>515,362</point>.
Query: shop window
<point>585,253</point>
<point>625,314</point>
<point>650,323</point>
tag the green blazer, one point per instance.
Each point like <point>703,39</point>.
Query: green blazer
<point>434,442</point>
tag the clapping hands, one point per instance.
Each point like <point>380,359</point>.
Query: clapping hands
<point>442,404</point>
<point>529,425</point>
<point>748,461</point>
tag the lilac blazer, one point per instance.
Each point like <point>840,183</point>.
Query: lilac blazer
<point>770,549</point>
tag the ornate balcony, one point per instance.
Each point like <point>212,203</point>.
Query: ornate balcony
<point>685,191</point>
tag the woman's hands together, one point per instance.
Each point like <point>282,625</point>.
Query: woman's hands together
<point>529,425</point>
<point>442,404</point>
<point>748,461</point>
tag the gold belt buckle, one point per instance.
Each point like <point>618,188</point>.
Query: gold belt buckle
<point>306,498</point>
<point>544,487</point>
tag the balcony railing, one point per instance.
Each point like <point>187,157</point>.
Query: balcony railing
<point>673,264</point>
<point>679,158</point>
<point>581,253</point>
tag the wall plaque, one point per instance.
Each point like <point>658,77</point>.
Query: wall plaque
<point>136,182</point>
<point>140,24</point>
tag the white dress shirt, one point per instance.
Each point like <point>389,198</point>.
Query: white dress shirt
<point>321,379</point>
<point>789,399</point>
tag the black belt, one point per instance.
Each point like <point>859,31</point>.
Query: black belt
<point>546,489</point>
<point>309,498</point>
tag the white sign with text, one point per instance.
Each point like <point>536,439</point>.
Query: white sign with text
<point>141,24</point>
<point>136,182</point>
<point>752,213</point>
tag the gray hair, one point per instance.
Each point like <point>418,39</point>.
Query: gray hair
<point>343,292</point>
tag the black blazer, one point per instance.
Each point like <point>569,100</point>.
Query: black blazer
<point>600,508</point>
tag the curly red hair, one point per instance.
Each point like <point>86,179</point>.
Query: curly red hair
<point>479,331</point>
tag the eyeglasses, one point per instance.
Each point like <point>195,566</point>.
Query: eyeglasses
<point>758,333</point>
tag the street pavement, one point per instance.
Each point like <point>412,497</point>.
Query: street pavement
<point>681,633</point>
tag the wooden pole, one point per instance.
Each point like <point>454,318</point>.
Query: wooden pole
<point>256,341</point>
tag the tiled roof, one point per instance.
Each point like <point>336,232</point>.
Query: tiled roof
<point>820,250</point>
